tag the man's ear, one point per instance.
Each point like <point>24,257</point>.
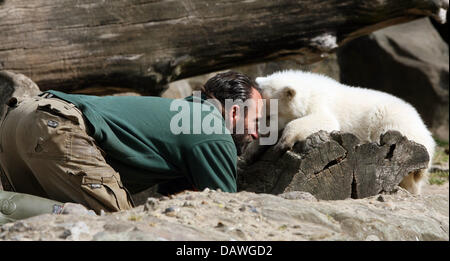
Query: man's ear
<point>233,115</point>
<point>289,92</point>
<point>236,112</point>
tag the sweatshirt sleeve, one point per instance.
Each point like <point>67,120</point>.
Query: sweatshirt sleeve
<point>213,165</point>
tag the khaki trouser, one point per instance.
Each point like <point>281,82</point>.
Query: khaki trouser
<point>45,150</point>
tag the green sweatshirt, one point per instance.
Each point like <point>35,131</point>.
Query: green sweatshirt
<point>135,132</point>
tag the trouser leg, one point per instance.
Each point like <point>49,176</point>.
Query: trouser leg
<point>20,177</point>
<point>52,140</point>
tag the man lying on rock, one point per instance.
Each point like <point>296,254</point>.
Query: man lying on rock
<point>95,151</point>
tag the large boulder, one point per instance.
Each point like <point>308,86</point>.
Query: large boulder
<point>15,85</point>
<point>408,60</point>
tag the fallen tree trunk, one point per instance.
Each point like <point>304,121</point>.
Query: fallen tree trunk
<point>336,166</point>
<point>142,45</point>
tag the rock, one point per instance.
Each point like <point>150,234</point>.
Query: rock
<point>188,205</point>
<point>408,60</point>
<point>372,238</point>
<point>170,212</point>
<point>76,231</point>
<point>335,166</point>
<point>189,197</point>
<point>141,197</point>
<point>77,209</point>
<point>151,204</point>
<point>15,85</point>
<point>381,198</point>
<point>411,218</point>
<point>252,209</point>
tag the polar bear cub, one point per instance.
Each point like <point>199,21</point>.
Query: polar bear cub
<point>309,102</point>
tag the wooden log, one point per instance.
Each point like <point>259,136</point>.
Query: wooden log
<point>336,166</point>
<point>142,45</point>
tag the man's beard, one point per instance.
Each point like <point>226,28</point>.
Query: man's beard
<point>241,141</point>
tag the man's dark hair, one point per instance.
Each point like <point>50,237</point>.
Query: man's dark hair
<point>230,85</point>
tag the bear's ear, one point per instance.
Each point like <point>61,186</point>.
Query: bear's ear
<point>289,92</point>
<point>259,80</point>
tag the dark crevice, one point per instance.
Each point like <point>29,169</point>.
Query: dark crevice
<point>332,163</point>
<point>354,194</point>
<point>391,152</point>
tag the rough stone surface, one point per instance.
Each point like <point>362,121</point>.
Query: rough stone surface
<point>15,85</point>
<point>214,215</point>
<point>408,60</point>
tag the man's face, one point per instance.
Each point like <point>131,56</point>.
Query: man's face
<point>250,123</point>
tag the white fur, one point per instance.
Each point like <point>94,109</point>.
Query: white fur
<point>321,103</point>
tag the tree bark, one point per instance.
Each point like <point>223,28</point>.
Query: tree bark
<point>142,45</point>
<point>336,166</point>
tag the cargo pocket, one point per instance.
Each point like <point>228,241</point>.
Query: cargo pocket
<point>55,123</point>
<point>51,137</point>
<point>106,193</point>
<point>60,108</point>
